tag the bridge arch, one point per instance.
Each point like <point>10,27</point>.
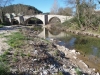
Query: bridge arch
<point>54,20</point>
<point>14,22</point>
<point>39,16</point>
<point>33,20</point>
<point>7,20</point>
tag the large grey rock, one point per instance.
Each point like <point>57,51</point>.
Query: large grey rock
<point>35,52</point>
<point>97,73</point>
<point>45,72</point>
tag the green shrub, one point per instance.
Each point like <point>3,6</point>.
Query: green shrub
<point>1,25</point>
<point>4,69</point>
<point>3,57</point>
<point>78,71</point>
<point>60,73</point>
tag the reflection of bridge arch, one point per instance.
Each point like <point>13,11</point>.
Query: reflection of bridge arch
<point>33,20</point>
<point>54,20</point>
<point>43,34</point>
<point>61,34</point>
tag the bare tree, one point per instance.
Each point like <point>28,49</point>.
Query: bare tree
<point>65,11</point>
<point>68,11</point>
<point>55,7</point>
<point>60,11</point>
<point>3,3</point>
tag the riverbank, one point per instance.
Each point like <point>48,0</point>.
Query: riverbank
<point>79,59</point>
<point>87,40</point>
<point>38,56</point>
<point>86,33</point>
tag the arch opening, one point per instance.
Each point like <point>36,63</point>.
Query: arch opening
<point>33,20</point>
<point>54,20</point>
<point>0,21</point>
<point>7,21</point>
<point>14,22</point>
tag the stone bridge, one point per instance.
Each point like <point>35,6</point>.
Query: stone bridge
<point>45,19</point>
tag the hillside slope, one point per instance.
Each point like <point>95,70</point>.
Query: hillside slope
<point>23,9</point>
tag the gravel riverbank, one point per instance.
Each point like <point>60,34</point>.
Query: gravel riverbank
<point>42,57</point>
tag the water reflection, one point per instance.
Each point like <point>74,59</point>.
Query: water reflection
<point>69,44</point>
<point>69,41</point>
<point>95,51</point>
<point>72,42</point>
<point>87,45</point>
<point>47,34</point>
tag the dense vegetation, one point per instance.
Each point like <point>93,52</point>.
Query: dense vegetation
<point>86,16</point>
<point>20,8</point>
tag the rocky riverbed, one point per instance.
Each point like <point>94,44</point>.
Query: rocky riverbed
<point>42,57</point>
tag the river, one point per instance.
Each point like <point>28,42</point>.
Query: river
<point>88,46</point>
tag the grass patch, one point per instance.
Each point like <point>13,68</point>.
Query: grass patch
<point>2,34</point>
<point>16,39</point>
<point>78,71</point>
<point>3,57</point>
<point>4,69</point>
<point>60,73</point>
<point>1,25</point>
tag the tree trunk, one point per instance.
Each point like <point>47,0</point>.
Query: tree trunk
<point>78,13</point>
<point>2,16</point>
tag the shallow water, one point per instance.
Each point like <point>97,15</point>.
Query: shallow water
<point>85,44</point>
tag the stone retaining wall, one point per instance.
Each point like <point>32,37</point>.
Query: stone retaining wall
<point>77,32</point>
